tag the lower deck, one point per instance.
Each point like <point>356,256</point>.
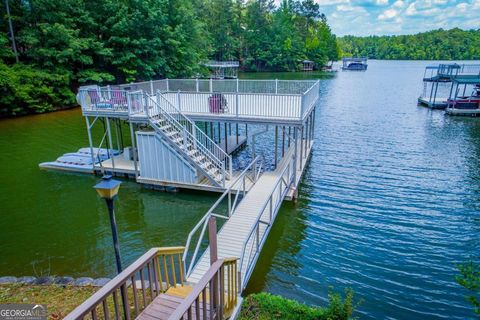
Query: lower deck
<point>463,112</point>
<point>438,103</point>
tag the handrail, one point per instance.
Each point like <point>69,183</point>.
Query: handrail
<point>204,220</point>
<point>206,146</point>
<point>148,266</point>
<point>211,296</point>
<point>199,140</point>
<point>198,132</point>
<point>272,214</point>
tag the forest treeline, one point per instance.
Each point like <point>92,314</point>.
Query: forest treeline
<point>453,44</point>
<point>65,44</point>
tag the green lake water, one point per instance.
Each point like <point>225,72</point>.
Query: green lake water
<point>388,206</point>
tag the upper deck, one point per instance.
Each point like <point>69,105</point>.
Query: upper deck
<point>446,72</point>
<point>260,101</point>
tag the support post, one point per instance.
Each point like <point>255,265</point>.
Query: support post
<point>196,84</point>
<point>219,132</point>
<point>236,129</point>
<point>431,93</point>
<point>109,133</point>
<point>226,138</point>
<point>289,133</point>
<point>89,132</point>
<point>151,87</point>
<point>134,150</point>
<point>276,147</point>
<point>301,148</point>
<point>283,141</point>
<point>211,85</point>
<point>212,239</point>
<point>117,135</point>
<point>306,137</point>
<point>168,85</point>
<point>276,86</point>
<point>435,95</point>
<point>295,155</point>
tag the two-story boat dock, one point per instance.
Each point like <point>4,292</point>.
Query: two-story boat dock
<point>171,124</point>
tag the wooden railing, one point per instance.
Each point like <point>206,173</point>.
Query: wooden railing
<point>126,295</point>
<point>215,296</point>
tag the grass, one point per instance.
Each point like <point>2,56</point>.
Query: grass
<point>60,300</point>
<point>264,306</point>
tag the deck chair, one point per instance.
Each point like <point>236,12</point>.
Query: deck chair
<point>97,101</point>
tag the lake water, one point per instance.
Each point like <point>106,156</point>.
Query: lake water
<point>388,206</point>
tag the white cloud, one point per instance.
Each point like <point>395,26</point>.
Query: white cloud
<point>381,2</point>
<point>388,14</point>
<point>384,17</point>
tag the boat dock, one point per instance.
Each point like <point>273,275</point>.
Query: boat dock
<point>187,139</point>
<point>354,64</point>
<point>438,82</point>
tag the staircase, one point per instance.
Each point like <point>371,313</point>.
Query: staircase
<point>184,135</point>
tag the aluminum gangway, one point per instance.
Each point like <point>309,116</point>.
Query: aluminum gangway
<point>248,222</point>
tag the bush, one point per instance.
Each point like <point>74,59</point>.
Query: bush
<point>469,278</point>
<point>264,306</point>
<point>24,90</point>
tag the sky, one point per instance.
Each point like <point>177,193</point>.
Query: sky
<point>390,17</point>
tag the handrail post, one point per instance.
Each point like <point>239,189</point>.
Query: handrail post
<point>145,99</point>
<point>276,86</point>
<point>271,208</point>
<point>236,103</point>
<point>223,174</point>
<point>151,87</point>
<point>196,84</point>
<point>211,85</point>
<point>178,100</point>
<point>229,204</point>
<point>168,85</point>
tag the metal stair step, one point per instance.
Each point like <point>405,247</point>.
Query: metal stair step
<point>177,140</point>
<point>171,133</point>
<point>166,127</point>
<point>199,158</point>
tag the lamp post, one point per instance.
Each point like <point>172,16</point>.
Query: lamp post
<point>108,190</point>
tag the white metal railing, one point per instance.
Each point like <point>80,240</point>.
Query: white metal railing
<point>238,104</point>
<point>309,98</point>
<point>232,63</point>
<point>284,99</point>
<point>234,194</point>
<point>101,100</point>
<point>157,107</point>
<point>266,216</point>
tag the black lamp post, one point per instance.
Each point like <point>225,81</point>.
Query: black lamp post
<point>108,190</point>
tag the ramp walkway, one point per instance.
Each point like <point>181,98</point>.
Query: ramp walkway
<point>247,228</point>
